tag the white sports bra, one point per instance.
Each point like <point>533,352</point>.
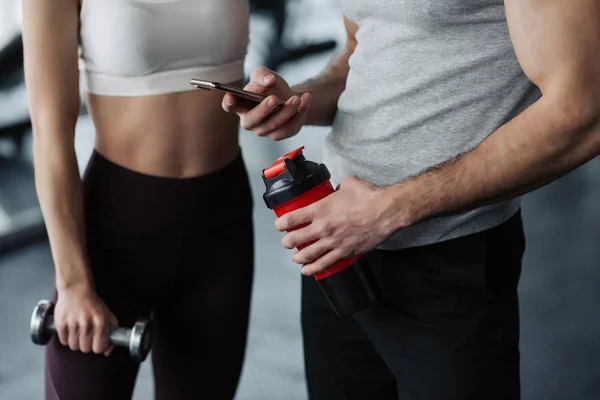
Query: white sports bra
<point>147,47</point>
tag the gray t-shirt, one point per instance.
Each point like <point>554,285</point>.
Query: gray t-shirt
<point>429,80</point>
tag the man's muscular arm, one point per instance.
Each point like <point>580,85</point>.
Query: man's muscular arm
<point>558,46</point>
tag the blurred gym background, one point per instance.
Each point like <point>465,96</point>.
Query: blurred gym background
<point>561,276</point>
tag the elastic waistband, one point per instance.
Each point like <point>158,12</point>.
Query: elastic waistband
<point>116,191</point>
<point>160,82</point>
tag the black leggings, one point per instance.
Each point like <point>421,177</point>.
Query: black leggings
<point>181,249</point>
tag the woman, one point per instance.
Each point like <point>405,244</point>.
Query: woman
<point>162,222</point>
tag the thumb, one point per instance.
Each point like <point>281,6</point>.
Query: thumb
<point>263,77</point>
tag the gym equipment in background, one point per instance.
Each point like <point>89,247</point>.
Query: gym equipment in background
<point>11,63</point>
<point>278,52</point>
<point>21,219</point>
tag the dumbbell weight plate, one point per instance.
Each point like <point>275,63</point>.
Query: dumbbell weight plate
<point>141,340</point>
<point>41,310</point>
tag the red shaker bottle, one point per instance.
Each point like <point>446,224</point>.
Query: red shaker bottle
<point>293,182</point>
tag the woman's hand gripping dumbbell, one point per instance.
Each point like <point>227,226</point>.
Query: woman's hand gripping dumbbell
<point>138,338</point>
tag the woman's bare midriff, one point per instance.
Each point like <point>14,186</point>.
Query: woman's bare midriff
<point>174,135</point>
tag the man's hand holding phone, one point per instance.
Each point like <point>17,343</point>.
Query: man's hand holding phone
<point>268,118</point>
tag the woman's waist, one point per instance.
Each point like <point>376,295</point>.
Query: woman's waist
<point>114,194</point>
<point>167,155</point>
<point>175,135</point>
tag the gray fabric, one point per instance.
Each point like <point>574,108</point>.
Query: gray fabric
<point>429,80</point>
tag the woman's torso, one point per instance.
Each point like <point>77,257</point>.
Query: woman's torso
<point>136,60</point>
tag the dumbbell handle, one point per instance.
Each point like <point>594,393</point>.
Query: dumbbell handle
<point>117,336</point>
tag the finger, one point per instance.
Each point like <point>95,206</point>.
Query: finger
<point>112,321</point>
<point>262,76</point>
<point>109,351</point>
<point>305,100</point>
<point>62,330</point>
<point>291,108</point>
<point>100,341</point>
<point>259,113</point>
<point>294,124</point>
<point>229,103</point>
<point>323,262</point>
<point>294,219</point>
<point>260,89</point>
<point>86,335</point>
<point>73,336</point>
<point>239,106</point>
<point>302,236</point>
<point>313,252</point>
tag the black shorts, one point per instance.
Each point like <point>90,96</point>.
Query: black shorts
<point>446,328</point>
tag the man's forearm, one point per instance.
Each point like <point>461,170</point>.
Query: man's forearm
<point>540,145</point>
<point>326,90</point>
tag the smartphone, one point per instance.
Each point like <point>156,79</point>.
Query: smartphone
<point>253,98</point>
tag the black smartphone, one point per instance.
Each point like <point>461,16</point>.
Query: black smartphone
<point>251,99</point>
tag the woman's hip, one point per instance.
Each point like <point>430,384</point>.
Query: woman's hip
<point>139,227</point>
<point>117,198</point>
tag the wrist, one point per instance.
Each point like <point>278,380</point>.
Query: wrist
<point>325,91</point>
<point>74,278</point>
<point>82,286</point>
<point>404,205</point>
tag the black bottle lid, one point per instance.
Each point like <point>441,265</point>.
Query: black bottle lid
<point>291,176</point>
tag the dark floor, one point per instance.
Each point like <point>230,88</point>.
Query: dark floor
<point>560,296</point>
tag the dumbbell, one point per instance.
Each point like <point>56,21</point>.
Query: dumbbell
<point>138,339</point>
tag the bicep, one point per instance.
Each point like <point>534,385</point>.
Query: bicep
<point>50,42</point>
<point>557,43</point>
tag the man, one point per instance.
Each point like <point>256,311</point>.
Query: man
<point>443,113</point>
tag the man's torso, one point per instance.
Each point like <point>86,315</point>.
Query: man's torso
<point>429,80</point>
